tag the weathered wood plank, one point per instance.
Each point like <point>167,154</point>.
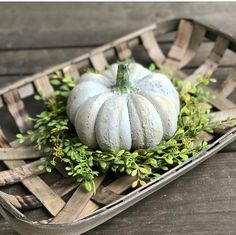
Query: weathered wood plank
<point>47,28</point>
<point>43,86</point>
<point>19,153</point>
<point>16,108</point>
<point>19,173</point>
<point>80,198</point>
<point>180,45</point>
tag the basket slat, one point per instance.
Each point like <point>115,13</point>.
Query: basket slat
<point>123,51</point>
<point>180,45</point>
<point>98,61</point>
<point>19,173</point>
<point>22,202</point>
<point>213,59</point>
<point>20,153</point>
<point>43,86</point>
<point>62,187</point>
<point>118,186</point>
<point>194,44</point>
<point>153,49</point>
<point>224,115</point>
<point>228,85</point>
<point>80,198</point>
<point>104,196</point>
<point>71,70</point>
<point>17,110</point>
<point>220,101</point>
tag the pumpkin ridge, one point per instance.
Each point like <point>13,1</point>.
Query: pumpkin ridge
<point>87,115</point>
<point>162,86</point>
<point>165,109</point>
<point>121,143</point>
<point>134,110</point>
<point>80,94</point>
<point>146,131</point>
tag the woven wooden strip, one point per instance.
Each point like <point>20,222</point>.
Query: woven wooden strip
<point>224,115</point>
<point>194,44</point>
<point>104,196</point>
<point>152,47</point>
<point>180,45</point>
<point>43,86</point>
<point>229,85</point>
<point>203,136</point>
<point>3,140</point>
<point>19,173</point>
<point>98,61</point>
<point>62,187</point>
<point>212,61</point>
<point>220,101</point>
<point>72,71</point>
<point>26,90</point>
<point>118,186</point>
<point>22,202</point>
<point>17,110</point>
<point>80,198</point>
<point>123,51</point>
<point>1,102</point>
<point>52,202</point>
<point>20,153</point>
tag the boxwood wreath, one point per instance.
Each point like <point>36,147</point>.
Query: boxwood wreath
<point>54,134</point>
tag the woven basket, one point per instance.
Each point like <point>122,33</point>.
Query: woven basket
<point>65,207</point>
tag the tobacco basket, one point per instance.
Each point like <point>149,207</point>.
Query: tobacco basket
<point>68,209</point>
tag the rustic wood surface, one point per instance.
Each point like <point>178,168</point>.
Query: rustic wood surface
<point>35,36</point>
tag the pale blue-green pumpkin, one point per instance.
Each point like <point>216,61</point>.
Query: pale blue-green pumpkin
<point>125,107</point>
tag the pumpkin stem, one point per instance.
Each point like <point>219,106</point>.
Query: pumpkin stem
<point>123,83</point>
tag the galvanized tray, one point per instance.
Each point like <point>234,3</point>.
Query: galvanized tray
<point>60,197</point>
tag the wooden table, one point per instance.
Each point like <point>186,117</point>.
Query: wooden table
<point>36,36</point>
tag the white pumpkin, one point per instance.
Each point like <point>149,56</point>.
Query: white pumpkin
<point>125,107</point>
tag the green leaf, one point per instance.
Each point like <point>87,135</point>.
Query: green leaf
<point>120,153</point>
<point>37,97</point>
<point>103,165</point>
<point>41,167</point>
<point>184,157</point>
<point>134,173</point>
<point>87,185</point>
<point>48,169</point>
<point>143,170</point>
<point>55,82</point>
<point>169,160</point>
<point>152,68</point>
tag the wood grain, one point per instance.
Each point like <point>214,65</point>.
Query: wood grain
<point>43,25</point>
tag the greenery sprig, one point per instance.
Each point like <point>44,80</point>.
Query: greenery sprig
<point>56,137</point>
